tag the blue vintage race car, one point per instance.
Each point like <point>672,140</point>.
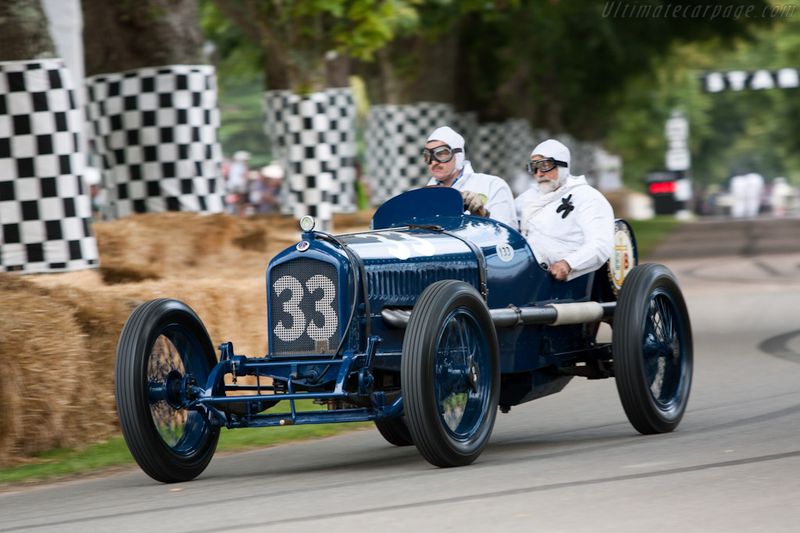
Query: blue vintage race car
<point>427,324</point>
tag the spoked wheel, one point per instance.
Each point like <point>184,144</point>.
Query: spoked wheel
<point>652,347</point>
<point>163,354</point>
<point>450,374</point>
<point>395,431</point>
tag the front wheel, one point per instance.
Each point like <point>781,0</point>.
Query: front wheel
<point>450,374</point>
<point>652,347</point>
<point>164,353</point>
<point>394,430</point>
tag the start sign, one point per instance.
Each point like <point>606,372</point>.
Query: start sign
<point>740,80</point>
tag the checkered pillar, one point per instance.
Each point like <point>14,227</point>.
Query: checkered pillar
<point>341,137</point>
<point>582,154</point>
<point>316,200</point>
<point>45,213</point>
<point>383,139</point>
<point>517,147</point>
<point>310,135</point>
<point>155,132</point>
<point>488,154</point>
<point>276,105</point>
<point>466,123</point>
<point>395,136</point>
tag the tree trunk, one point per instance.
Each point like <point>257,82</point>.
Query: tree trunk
<point>337,68</point>
<point>23,31</point>
<point>132,34</point>
<point>435,70</point>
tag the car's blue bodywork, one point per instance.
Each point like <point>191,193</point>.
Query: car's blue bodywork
<point>426,325</point>
<point>329,300</point>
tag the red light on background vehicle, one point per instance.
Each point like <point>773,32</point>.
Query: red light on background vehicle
<point>662,187</point>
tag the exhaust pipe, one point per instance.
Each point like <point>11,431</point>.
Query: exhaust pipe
<point>550,314</point>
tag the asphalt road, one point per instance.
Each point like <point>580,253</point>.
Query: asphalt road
<point>568,462</point>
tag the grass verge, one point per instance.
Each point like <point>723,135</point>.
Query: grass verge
<point>649,233</point>
<point>62,463</point>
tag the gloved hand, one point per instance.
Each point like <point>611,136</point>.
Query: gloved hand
<point>475,203</point>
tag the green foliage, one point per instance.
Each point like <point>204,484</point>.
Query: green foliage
<point>562,64</point>
<point>242,120</point>
<point>730,132</point>
<point>573,66</point>
<point>295,37</point>
<point>649,233</point>
<point>371,24</point>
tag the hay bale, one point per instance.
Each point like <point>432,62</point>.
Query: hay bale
<point>59,331</point>
<point>48,385</point>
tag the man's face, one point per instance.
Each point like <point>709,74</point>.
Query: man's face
<point>547,181</point>
<point>440,171</point>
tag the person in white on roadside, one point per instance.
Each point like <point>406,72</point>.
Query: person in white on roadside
<point>753,190</point>
<point>568,223</point>
<point>237,184</point>
<point>780,196</point>
<point>484,195</point>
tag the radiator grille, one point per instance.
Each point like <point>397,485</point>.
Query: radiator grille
<point>304,308</point>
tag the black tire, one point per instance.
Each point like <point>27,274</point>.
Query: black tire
<point>395,431</point>
<point>652,347</point>
<point>162,344</point>
<point>450,374</point>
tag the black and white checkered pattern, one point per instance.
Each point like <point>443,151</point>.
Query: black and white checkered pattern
<point>466,123</point>
<point>155,132</point>
<point>395,136</point>
<point>45,213</point>
<point>340,136</point>
<point>308,155</point>
<point>384,140</point>
<point>517,147</point>
<point>311,135</point>
<point>503,148</point>
<point>276,105</point>
<point>488,154</point>
<point>581,153</point>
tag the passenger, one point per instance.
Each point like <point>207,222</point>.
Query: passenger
<point>484,195</point>
<point>568,223</point>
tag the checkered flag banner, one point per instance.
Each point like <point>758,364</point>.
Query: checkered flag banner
<point>45,213</point>
<point>155,132</point>
<point>311,135</point>
<point>395,136</point>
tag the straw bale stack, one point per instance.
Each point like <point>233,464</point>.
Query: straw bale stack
<point>58,332</point>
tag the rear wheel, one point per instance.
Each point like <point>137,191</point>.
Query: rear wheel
<point>652,347</point>
<point>450,374</point>
<point>164,353</point>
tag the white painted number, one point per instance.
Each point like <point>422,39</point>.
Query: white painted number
<point>292,308</point>
<point>323,306</point>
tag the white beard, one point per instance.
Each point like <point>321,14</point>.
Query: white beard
<point>546,187</point>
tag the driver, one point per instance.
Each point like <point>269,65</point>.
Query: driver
<point>484,195</point>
